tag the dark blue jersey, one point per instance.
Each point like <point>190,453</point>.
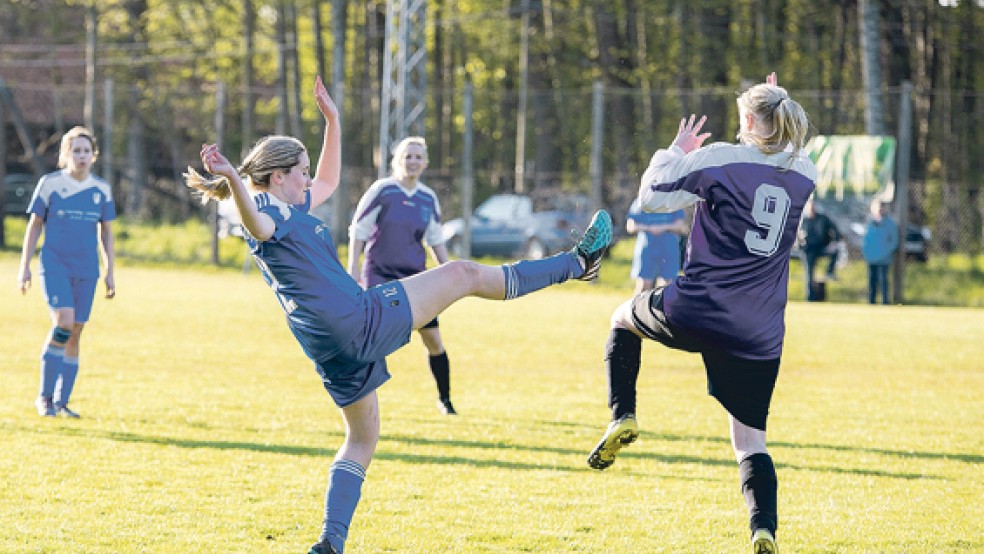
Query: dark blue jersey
<point>733,290</point>
<point>300,263</point>
<point>393,221</point>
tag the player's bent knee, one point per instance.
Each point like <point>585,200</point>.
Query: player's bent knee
<point>60,335</point>
<point>464,271</point>
<point>622,316</point>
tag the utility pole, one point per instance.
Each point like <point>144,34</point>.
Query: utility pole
<point>404,75</point>
<point>524,54</point>
<point>874,112</point>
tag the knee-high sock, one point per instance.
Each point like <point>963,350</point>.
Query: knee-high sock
<point>344,490</point>
<point>760,486</point>
<point>52,358</point>
<point>65,385</point>
<point>532,275</point>
<point>623,353</point>
<point>441,369</point>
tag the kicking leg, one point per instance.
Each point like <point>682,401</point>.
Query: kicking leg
<point>432,291</point>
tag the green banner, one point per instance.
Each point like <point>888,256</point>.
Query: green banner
<point>853,165</point>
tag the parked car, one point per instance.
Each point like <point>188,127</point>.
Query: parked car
<point>17,190</point>
<point>851,215</point>
<point>521,226</point>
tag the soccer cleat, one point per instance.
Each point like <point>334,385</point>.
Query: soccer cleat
<point>593,244</point>
<point>763,542</point>
<point>62,410</point>
<point>621,432</point>
<point>445,406</point>
<point>323,548</point>
<point>45,406</point>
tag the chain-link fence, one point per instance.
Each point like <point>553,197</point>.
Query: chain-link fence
<point>148,136</point>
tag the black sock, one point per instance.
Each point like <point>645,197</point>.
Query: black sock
<point>622,357</point>
<point>759,486</point>
<point>441,368</point>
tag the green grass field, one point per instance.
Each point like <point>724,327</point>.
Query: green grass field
<point>206,430</point>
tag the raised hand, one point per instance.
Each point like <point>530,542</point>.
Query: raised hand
<point>771,79</point>
<point>215,162</point>
<point>687,137</point>
<point>325,104</point>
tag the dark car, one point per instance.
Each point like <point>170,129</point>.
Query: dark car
<point>17,190</point>
<point>519,226</point>
<point>851,215</point>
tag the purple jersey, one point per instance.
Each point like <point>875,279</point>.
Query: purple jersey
<point>732,292</point>
<point>71,211</point>
<point>393,222</point>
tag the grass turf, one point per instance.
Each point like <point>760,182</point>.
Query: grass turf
<point>205,429</point>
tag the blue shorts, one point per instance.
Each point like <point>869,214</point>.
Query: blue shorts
<point>657,257</point>
<point>63,291</point>
<point>359,367</point>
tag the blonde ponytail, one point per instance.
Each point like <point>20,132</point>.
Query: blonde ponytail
<point>207,189</point>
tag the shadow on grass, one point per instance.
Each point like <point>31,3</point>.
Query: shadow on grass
<point>383,454</point>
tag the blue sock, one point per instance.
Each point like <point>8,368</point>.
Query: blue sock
<point>69,370</point>
<point>532,275</point>
<point>52,358</point>
<point>344,489</point>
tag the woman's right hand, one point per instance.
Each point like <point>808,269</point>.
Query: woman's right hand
<point>687,137</point>
<point>215,162</point>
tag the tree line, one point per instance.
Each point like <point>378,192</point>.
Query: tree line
<point>657,59</point>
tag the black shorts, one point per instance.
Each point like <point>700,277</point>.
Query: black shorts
<point>432,324</point>
<point>744,387</point>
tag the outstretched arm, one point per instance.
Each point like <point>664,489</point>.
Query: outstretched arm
<point>260,225</point>
<point>329,170</point>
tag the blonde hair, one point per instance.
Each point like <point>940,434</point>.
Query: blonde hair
<point>777,114</point>
<point>65,149</point>
<point>400,152</point>
<point>268,155</point>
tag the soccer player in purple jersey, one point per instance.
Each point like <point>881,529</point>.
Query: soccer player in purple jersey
<point>393,220</point>
<point>730,301</point>
<point>74,209</point>
<point>346,330</point>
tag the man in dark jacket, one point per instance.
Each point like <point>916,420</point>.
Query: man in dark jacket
<point>817,237</point>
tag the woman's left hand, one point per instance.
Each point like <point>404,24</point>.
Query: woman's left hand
<point>110,285</point>
<point>325,103</point>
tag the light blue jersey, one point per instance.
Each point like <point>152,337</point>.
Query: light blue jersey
<point>656,254</point>
<point>71,211</point>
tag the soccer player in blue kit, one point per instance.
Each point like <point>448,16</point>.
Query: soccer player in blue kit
<point>74,209</point>
<point>395,216</point>
<point>729,304</point>
<point>656,258</point>
<point>346,330</point>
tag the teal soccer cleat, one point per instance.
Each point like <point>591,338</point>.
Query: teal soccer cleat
<point>593,244</point>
